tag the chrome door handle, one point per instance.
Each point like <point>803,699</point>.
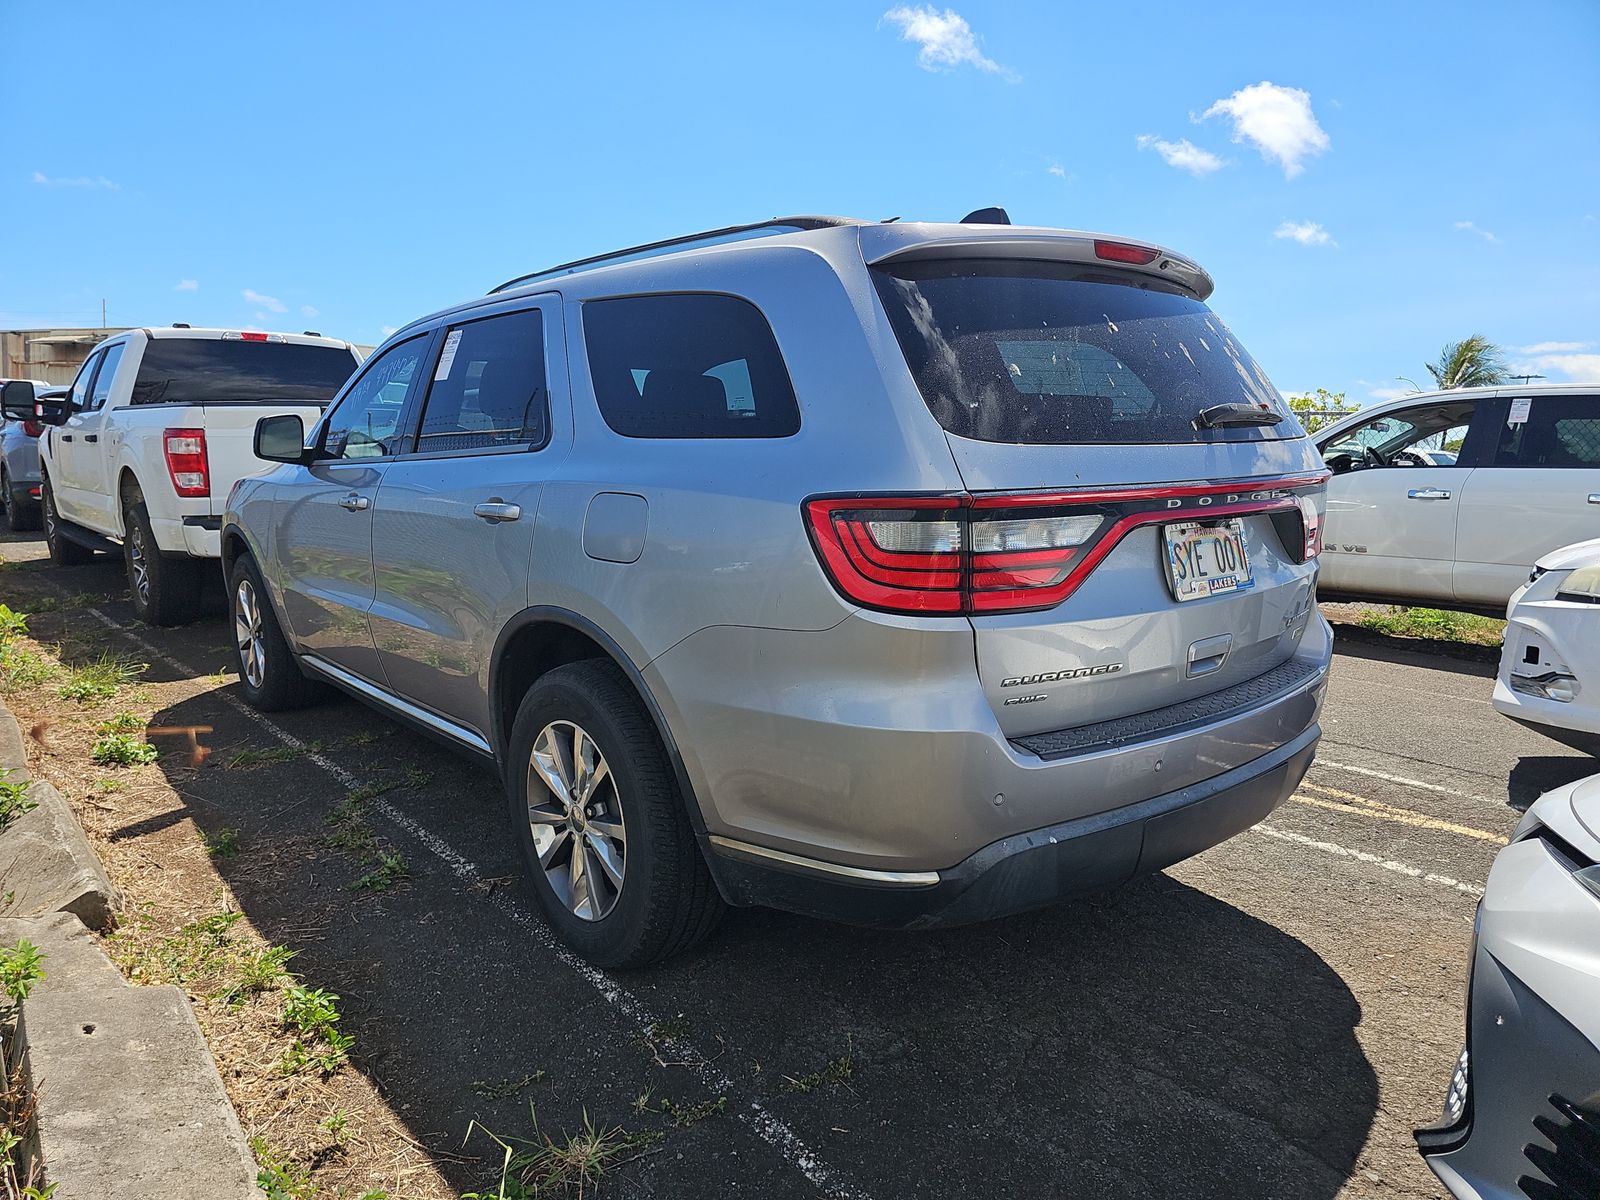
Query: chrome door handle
<point>354,503</point>
<point>1427,494</point>
<point>496,511</point>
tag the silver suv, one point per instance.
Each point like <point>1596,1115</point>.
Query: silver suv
<point>903,574</point>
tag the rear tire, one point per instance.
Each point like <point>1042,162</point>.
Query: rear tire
<point>630,813</point>
<point>63,553</point>
<point>164,588</point>
<point>269,675</point>
<point>22,513</point>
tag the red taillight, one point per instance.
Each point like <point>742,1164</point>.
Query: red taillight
<point>1311,524</point>
<point>250,335</point>
<point>1125,252</point>
<point>33,429</point>
<point>186,461</point>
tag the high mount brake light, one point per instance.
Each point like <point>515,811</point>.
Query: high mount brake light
<point>1125,252</point>
<point>1020,552</point>
<point>187,465</point>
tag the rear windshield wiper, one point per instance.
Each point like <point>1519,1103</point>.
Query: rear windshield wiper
<point>1219,415</point>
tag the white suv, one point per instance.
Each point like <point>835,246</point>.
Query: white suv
<point>1449,498</point>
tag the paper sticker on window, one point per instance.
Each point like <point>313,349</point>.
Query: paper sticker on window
<point>447,359</point>
<point>1519,412</point>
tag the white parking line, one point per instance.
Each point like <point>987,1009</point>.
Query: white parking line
<point>1388,864</point>
<point>765,1125</point>
<point>1404,782</point>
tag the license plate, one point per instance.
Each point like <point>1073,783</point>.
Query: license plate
<point>1206,559</point>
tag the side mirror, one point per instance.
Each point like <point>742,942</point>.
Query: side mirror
<point>20,402</point>
<point>282,439</point>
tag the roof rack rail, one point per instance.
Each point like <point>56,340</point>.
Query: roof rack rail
<point>776,225</point>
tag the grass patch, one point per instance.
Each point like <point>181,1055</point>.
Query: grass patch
<point>14,800</point>
<point>1434,624</point>
<point>248,760</point>
<point>21,668</point>
<point>390,869</point>
<point>544,1166</point>
<point>100,679</point>
<point>838,1070</point>
<point>122,750</point>
<point>224,845</point>
<point>684,1115</point>
<point>121,723</point>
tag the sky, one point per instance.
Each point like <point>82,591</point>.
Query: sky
<point>1365,181</point>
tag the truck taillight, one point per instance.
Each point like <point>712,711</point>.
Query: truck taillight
<point>33,429</point>
<point>186,461</point>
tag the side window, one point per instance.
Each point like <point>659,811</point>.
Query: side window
<point>1556,431</point>
<point>489,387</point>
<point>366,422</point>
<point>688,366</point>
<point>80,385</point>
<point>1429,436</point>
<point>106,376</point>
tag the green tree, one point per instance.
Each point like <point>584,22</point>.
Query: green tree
<point>1474,361</point>
<point>1320,407</point>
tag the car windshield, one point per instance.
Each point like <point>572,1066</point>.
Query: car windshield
<point>195,371</point>
<point>1052,352</point>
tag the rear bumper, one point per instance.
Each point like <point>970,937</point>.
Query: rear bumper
<point>1027,870</point>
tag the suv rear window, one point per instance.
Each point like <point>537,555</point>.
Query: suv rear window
<point>1046,352</point>
<point>688,366</point>
<point>191,371</point>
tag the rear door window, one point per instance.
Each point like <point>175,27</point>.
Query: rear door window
<point>1062,353</point>
<point>488,389</point>
<point>236,371</point>
<point>688,366</point>
<point>1553,431</point>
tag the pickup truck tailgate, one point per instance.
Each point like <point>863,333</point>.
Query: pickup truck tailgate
<point>230,441</point>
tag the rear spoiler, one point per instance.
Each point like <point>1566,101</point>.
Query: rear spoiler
<point>885,244</point>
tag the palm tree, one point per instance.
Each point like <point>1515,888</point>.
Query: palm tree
<point>1474,361</point>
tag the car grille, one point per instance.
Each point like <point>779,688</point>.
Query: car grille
<point>1571,1163</point>
<point>1252,693</point>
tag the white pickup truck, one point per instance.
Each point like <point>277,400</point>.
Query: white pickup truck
<point>158,426</point>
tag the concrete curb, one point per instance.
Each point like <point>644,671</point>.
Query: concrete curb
<point>129,1102</point>
<point>46,862</point>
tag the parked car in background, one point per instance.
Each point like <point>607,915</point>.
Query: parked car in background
<point>1448,498</point>
<point>19,468</point>
<point>904,574</point>
<point>1550,665</point>
<point>153,433</point>
<point>1521,1119</point>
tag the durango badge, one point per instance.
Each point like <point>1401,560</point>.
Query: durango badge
<point>1054,676</point>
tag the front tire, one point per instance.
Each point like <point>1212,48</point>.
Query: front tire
<point>164,588</point>
<point>63,553</point>
<point>269,675</point>
<point>597,811</point>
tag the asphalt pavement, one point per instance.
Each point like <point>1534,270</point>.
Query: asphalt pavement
<point>1268,1019</point>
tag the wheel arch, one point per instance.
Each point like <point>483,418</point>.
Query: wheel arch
<point>544,637</point>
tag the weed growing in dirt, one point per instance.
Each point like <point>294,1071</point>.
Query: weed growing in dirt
<point>314,1014</point>
<point>19,969</point>
<point>100,679</point>
<point>257,971</point>
<point>122,750</point>
<point>17,1104</point>
<point>838,1070</point>
<point>503,1088</point>
<point>542,1166</point>
<point>391,869</point>
<point>20,668</point>
<point>684,1115</point>
<point>121,723</point>
<point>280,1177</point>
<point>14,800</point>
<point>224,845</point>
<point>247,760</point>
<point>12,624</point>
<point>334,1125</point>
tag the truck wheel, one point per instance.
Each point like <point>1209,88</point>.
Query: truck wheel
<point>596,808</point>
<point>269,675</point>
<point>164,588</point>
<point>22,514</point>
<point>62,552</point>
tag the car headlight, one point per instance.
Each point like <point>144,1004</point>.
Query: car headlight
<point>1582,584</point>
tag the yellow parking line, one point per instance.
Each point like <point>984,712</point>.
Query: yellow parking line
<point>1348,802</point>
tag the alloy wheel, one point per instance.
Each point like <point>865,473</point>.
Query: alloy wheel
<point>138,561</point>
<point>248,633</point>
<point>575,813</point>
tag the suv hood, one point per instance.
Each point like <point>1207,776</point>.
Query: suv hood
<point>1571,557</point>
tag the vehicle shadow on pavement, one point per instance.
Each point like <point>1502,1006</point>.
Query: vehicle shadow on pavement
<point>1152,1041</point>
<point>1534,776</point>
<point>1353,642</point>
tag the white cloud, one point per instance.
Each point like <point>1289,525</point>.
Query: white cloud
<point>307,311</point>
<point>271,303</point>
<point>81,181</point>
<point>1307,233</point>
<point>1057,170</point>
<point>1183,154</point>
<point>1553,347</point>
<point>1278,121</point>
<point>1561,368</point>
<point>1390,393</point>
<point>1470,227</point>
<point>945,40</point>
<point>187,285</point>
<point>388,329</point>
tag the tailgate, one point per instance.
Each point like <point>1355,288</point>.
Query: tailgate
<point>230,431</point>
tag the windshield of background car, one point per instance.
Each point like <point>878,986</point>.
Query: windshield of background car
<point>1062,353</point>
<point>191,371</point>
